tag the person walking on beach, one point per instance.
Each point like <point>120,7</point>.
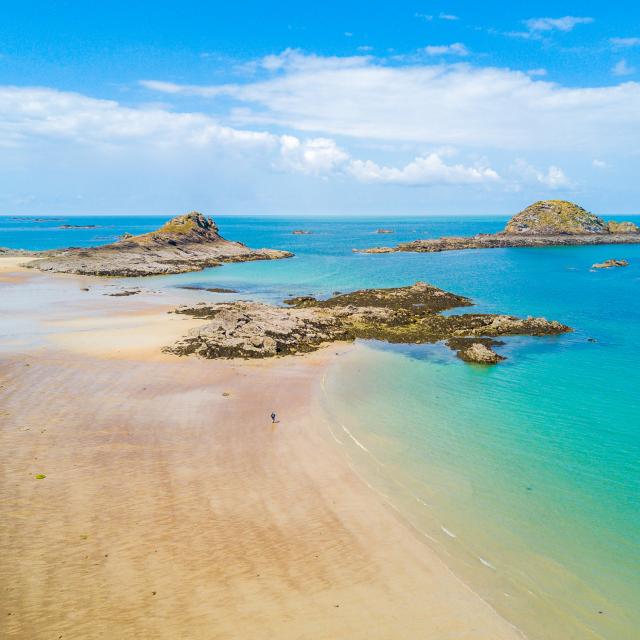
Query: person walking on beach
<point>273,417</point>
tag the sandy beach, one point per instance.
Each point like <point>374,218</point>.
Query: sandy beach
<point>173,508</point>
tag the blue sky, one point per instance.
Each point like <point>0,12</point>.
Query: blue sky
<point>310,108</point>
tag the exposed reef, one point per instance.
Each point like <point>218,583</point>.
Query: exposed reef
<point>411,314</point>
<point>210,289</point>
<point>186,243</point>
<point>608,264</point>
<point>543,224</point>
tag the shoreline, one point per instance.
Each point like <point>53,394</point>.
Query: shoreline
<point>172,510</point>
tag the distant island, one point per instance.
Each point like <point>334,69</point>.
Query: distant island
<point>546,223</point>
<point>412,314</point>
<point>185,243</point>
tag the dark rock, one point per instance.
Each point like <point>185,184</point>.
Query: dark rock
<point>210,289</point>
<point>79,226</point>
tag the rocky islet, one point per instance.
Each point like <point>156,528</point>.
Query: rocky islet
<point>413,314</point>
<point>545,223</point>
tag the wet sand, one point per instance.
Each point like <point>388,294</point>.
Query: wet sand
<point>172,510</point>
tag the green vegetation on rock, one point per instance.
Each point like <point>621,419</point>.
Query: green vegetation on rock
<point>622,227</point>
<point>552,217</point>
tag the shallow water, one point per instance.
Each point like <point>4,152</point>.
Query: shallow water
<point>524,477</point>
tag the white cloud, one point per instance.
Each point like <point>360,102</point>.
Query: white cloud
<point>294,60</point>
<point>455,49</point>
<point>423,16</point>
<point>567,23</point>
<point>599,164</point>
<point>39,113</point>
<point>625,42</point>
<point>32,118</point>
<point>423,170</point>
<point>538,73</point>
<point>448,16</point>
<point>442,104</point>
<point>554,177</point>
<point>318,156</point>
<point>622,68</point>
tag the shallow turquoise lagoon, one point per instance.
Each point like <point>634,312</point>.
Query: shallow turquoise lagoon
<point>524,477</point>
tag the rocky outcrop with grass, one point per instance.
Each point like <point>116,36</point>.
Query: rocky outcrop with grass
<point>411,314</point>
<point>185,243</point>
<point>543,224</point>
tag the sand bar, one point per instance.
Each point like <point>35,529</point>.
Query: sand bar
<point>172,510</point>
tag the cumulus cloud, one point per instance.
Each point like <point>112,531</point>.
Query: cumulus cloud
<point>567,23</point>
<point>33,117</point>
<point>455,49</point>
<point>430,169</point>
<point>317,156</point>
<point>442,104</point>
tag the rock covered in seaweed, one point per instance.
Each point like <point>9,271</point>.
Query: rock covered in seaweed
<point>478,353</point>
<point>399,315</point>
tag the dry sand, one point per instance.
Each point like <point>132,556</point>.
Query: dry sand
<point>172,510</point>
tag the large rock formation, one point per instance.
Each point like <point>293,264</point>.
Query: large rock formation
<point>189,242</point>
<point>402,315</point>
<point>543,224</point>
<point>554,217</point>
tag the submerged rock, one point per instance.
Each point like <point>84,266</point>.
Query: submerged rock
<point>400,315</point>
<point>185,243</point>
<point>543,224</point>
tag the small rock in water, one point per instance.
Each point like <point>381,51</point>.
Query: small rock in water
<point>607,264</point>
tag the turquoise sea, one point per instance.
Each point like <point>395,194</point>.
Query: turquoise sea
<point>523,477</point>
